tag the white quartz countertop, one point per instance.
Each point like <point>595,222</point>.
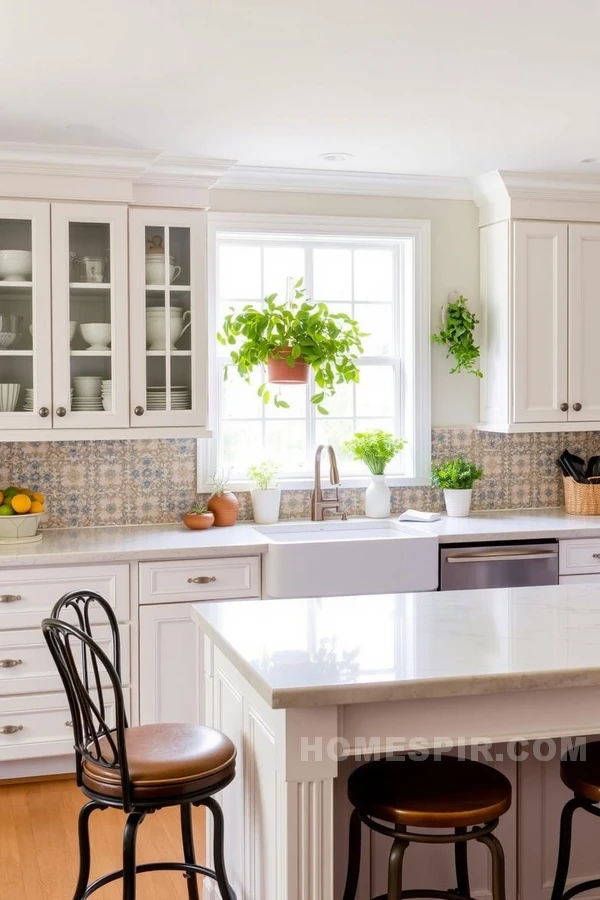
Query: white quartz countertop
<point>336,651</point>
<point>513,525</point>
<point>72,546</point>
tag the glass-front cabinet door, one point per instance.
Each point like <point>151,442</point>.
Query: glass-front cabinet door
<point>90,318</point>
<point>168,317</point>
<point>25,340</point>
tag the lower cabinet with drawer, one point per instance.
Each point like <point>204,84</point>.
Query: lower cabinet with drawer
<point>579,561</point>
<point>171,667</point>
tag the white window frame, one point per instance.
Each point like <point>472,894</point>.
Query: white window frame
<point>415,350</point>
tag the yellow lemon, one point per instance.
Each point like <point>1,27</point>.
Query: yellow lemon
<point>37,507</point>
<point>39,497</point>
<point>21,503</point>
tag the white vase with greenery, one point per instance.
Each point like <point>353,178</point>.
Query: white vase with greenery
<point>376,449</point>
<point>266,496</point>
<point>456,478</point>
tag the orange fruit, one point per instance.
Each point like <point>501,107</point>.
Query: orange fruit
<point>37,507</point>
<point>28,493</point>
<point>1,498</point>
<point>39,497</point>
<point>21,503</point>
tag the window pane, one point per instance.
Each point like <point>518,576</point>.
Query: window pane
<point>332,276</point>
<point>374,275</point>
<point>285,442</point>
<point>341,404</point>
<point>240,400</point>
<point>279,263</point>
<point>242,442</point>
<point>294,394</point>
<point>376,319</point>
<point>239,272</point>
<point>336,432</point>
<point>375,392</point>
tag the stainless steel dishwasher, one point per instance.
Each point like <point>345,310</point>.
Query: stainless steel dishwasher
<point>465,567</point>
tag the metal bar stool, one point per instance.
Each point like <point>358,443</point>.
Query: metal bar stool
<point>390,795</point>
<point>139,770</point>
<point>580,772</point>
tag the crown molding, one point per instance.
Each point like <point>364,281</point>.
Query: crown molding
<point>320,181</point>
<point>506,194</point>
<point>185,171</point>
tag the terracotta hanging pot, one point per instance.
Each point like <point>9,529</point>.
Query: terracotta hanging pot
<point>198,521</point>
<point>279,372</point>
<point>224,507</point>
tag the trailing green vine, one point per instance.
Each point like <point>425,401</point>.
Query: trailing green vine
<point>456,334</point>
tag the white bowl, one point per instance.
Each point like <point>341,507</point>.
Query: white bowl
<point>97,335</point>
<point>72,331</point>
<point>87,385</point>
<point>14,528</point>
<point>9,394</point>
<point>15,265</point>
<point>160,311</point>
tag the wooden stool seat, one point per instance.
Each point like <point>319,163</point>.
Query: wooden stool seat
<point>446,792</point>
<point>168,760</point>
<point>582,776</point>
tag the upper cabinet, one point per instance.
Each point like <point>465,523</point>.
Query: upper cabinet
<point>102,321</point>
<point>540,284</point>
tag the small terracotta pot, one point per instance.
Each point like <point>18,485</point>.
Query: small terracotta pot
<point>279,372</point>
<point>225,508</point>
<point>198,521</point>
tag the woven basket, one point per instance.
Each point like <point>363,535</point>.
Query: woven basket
<point>582,499</point>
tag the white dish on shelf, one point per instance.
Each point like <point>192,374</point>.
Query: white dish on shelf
<point>97,334</point>
<point>87,385</point>
<point>15,265</point>
<point>9,395</point>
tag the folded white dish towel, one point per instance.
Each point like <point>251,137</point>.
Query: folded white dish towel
<point>415,515</point>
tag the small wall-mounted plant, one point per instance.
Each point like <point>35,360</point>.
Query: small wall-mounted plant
<point>456,334</point>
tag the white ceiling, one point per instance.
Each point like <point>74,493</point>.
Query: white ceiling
<point>447,87</point>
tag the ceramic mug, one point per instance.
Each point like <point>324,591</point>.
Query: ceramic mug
<point>155,270</point>
<point>155,329</point>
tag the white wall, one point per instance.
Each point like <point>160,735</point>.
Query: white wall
<point>454,266</point>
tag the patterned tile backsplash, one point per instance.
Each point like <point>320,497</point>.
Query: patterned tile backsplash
<point>141,482</point>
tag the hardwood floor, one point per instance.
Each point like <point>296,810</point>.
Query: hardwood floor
<point>39,851</point>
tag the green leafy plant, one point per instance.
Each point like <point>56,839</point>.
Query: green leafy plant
<point>265,475</point>
<point>329,342</point>
<point>455,475</point>
<point>199,509</point>
<point>218,481</point>
<point>375,448</point>
<point>456,334</point>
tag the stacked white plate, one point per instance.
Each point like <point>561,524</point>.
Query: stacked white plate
<point>156,397</point>
<point>29,397</point>
<point>107,396</point>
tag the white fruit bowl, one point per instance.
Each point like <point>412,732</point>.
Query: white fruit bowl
<point>20,529</point>
<point>15,265</point>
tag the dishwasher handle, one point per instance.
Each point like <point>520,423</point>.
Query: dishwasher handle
<point>504,557</point>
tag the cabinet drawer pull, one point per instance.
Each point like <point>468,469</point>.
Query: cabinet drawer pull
<point>10,729</point>
<point>202,579</point>
<point>596,555</point>
<point>10,663</point>
<point>10,598</point>
<point>69,723</point>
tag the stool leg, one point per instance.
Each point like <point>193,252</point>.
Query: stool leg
<point>395,869</point>
<point>497,854</point>
<point>353,870</point>
<point>564,848</point>
<point>189,854</point>
<point>84,847</point>
<point>461,864</point>
<point>227,892</point>
<point>134,820</point>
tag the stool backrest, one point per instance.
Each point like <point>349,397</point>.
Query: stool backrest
<point>82,603</point>
<point>86,685</point>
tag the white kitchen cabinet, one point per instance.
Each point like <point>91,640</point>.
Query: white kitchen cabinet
<point>168,318</point>
<point>539,284</point>
<point>170,675</point>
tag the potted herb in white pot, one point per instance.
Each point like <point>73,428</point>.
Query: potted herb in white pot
<point>456,478</point>
<point>376,449</point>
<point>266,496</point>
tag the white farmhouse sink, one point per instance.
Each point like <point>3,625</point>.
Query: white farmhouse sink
<point>324,559</point>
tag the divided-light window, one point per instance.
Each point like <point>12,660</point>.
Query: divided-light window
<point>371,277</point>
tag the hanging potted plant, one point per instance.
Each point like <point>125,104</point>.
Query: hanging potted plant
<point>456,334</point>
<point>376,449</point>
<point>266,496</point>
<point>456,478</point>
<point>290,339</point>
<point>222,503</point>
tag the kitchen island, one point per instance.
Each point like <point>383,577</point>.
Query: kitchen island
<point>308,689</point>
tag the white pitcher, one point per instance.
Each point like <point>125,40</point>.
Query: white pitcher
<point>155,329</point>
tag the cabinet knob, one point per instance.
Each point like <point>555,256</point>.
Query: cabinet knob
<point>139,410</point>
<point>564,407</point>
<point>69,723</point>
<point>10,729</point>
<point>10,598</point>
<point>202,579</point>
<point>61,411</point>
<point>43,411</point>
<point>577,407</point>
<point>10,663</point>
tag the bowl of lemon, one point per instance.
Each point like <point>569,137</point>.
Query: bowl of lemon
<point>20,514</point>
